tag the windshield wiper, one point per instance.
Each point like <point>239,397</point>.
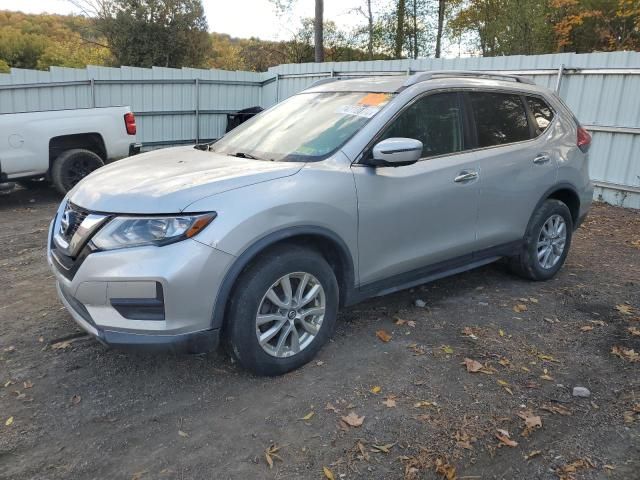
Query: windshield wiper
<point>243,155</point>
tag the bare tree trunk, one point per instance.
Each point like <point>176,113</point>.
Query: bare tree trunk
<point>370,15</point>
<point>317,31</point>
<point>441,7</point>
<point>415,29</point>
<point>400,28</point>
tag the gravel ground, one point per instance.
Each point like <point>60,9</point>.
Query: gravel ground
<point>73,409</point>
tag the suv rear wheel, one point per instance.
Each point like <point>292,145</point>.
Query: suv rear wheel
<point>546,242</point>
<point>72,166</point>
<point>283,311</point>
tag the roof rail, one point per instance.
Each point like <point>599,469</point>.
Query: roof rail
<point>322,81</point>
<point>424,76</point>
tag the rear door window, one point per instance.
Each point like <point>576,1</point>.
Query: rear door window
<point>435,120</point>
<point>541,112</point>
<point>500,118</point>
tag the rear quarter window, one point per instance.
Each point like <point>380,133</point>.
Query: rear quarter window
<point>500,118</point>
<point>542,113</point>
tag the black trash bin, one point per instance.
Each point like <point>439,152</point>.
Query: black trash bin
<point>241,116</point>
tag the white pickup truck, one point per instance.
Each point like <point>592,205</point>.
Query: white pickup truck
<point>63,146</point>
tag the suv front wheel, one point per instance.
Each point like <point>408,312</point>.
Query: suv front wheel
<point>283,310</point>
<point>546,242</point>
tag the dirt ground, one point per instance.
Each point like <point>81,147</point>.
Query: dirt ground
<point>73,409</point>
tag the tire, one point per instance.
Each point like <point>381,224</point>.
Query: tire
<point>72,166</point>
<point>250,295</point>
<point>534,263</point>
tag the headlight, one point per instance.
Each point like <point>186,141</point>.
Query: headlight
<point>123,232</point>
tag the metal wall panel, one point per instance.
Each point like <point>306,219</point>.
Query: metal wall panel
<point>177,106</point>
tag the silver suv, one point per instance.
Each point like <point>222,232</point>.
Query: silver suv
<point>348,190</point>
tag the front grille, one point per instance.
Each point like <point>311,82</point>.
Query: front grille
<point>76,215</point>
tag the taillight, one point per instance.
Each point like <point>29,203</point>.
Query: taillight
<point>584,139</point>
<point>130,123</point>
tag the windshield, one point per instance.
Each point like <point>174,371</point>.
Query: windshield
<point>305,127</point>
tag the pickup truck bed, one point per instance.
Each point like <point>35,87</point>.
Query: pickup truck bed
<point>64,145</point>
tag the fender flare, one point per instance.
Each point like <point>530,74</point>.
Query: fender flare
<point>550,191</point>
<point>250,253</point>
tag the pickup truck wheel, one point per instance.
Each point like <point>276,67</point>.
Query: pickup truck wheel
<point>72,166</point>
<point>283,310</point>
<point>546,242</point>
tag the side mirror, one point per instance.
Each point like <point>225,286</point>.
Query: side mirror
<point>396,152</point>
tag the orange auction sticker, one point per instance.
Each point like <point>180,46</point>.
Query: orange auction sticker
<point>374,99</point>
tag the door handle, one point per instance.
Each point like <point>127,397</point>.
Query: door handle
<point>465,176</point>
<point>541,158</point>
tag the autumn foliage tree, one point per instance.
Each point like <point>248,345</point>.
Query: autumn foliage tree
<point>596,25</point>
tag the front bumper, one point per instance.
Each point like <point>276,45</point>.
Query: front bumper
<point>188,274</point>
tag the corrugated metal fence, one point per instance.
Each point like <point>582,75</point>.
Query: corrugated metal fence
<point>183,106</point>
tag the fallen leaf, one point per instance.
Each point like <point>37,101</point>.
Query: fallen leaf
<point>468,332</point>
<point>535,453</point>
<point>520,307</point>
<point>382,448</point>
<point>375,390</point>
<point>473,366</point>
<point>411,323</point>
<point>624,309</point>
<point>586,328</point>
<point>501,332</point>
<point>389,402</point>
<point>423,404</point>
<point>271,453</point>
<point>308,416</point>
<point>635,243</point>
<point>9,421</point>
<point>319,363</point>
<point>599,323</point>
<point>27,384</point>
<point>8,383</point>
<point>10,349</point>
<point>362,450</point>
<point>330,407</point>
<point>565,472</point>
<point>634,331</point>
<point>183,434</point>
<point>531,421</point>
<point>400,321</point>
<point>328,473</point>
<point>75,400</point>
<point>629,417</point>
<point>505,439</point>
<point>383,335</point>
<point>626,353</point>
<point>353,420</point>
<point>504,362</point>
<point>447,349</point>
<point>445,469</point>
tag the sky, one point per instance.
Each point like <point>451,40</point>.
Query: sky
<point>238,18</point>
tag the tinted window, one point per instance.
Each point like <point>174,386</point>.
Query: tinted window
<point>500,118</point>
<point>541,112</point>
<point>435,120</point>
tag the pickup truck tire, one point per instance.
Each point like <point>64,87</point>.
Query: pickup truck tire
<point>72,166</point>
<point>312,287</point>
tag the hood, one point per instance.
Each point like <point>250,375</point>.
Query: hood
<point>168,180</point>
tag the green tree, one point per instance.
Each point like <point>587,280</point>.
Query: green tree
<point>506,27</point>
<point>145,33</point>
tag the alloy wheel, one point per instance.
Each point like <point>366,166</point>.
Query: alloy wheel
<point>552,241</point>
<point>290,314</point>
